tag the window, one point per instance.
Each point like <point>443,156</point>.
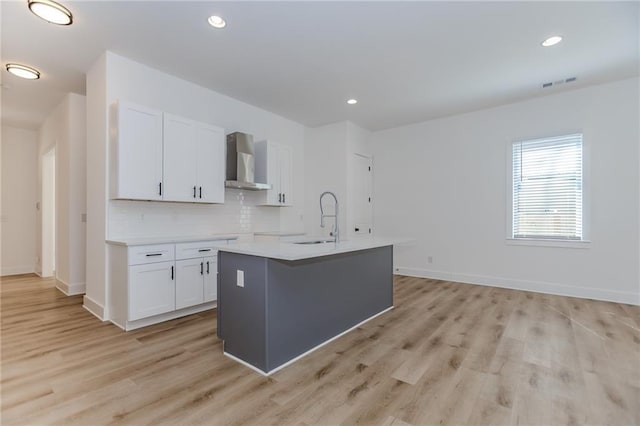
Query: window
<point>547,188</point>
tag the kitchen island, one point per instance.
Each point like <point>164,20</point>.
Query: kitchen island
<point>279,301</point>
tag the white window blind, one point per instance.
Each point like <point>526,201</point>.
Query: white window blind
<point>547,188</point>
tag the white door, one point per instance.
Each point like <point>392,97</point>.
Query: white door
<point>151,289</point>
<point>138,153</point>
<point>285,165</point>
<point>362,217</point>
<point>210,279</point>
<point>211,163</point>
<point>189,282</point>
<point>180,152</point>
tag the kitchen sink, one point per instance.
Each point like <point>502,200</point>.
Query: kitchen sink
<point>314,242</point>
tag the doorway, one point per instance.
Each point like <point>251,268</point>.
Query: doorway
<point>362,211</point>
<point>49,213</point>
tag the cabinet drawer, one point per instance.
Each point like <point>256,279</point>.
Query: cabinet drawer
<point>198,249</point>
<point>139,255</point>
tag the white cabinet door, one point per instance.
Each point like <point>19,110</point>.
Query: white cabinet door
<point>274,195</point>
<point>180,152</point>
<point>189,282</point>
<point>137,153</point>
<point>274,165</point>
<point>285,164</point>
<point>267,171</point>
<point>151,290</point>
<point>210,279</point>
<point>210,163</point>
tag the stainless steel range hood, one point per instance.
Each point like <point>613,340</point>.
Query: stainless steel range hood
<point>241,163</point>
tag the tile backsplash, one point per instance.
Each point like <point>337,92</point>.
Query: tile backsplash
<point>238,215</point>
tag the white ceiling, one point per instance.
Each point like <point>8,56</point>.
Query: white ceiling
<point>404,61</point>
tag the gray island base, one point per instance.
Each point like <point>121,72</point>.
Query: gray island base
<point>286,308</point>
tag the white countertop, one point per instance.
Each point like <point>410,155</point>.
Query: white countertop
<point>278,233</point>
<point>291,251</point>
<point>169,240</point>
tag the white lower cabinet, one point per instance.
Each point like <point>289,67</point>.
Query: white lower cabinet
<point>189,283</point>
<point>154,283</point>
<point>197,272</point>
<point>210,279</point>
<point>196,281</point>
<point>152,290</point>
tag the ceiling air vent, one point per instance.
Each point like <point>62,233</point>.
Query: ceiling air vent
<point>559,82</point>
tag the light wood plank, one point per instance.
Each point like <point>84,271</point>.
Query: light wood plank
<point>449,353</point>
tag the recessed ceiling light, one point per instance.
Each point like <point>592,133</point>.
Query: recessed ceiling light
<point>352,101</point>
<point>217,21</point>
<point>551,41</point>
<point>23,71</point>
<point>51,11</point>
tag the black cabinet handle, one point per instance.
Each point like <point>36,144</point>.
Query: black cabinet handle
<point>194,192</point>
<point>201,268</point>
<point>207,267</point>
<point>279,197</point>
<point>200,192</point>
<point>357,229</point>
<point>153,254</point>
<point>172,273</point>
<point>201,250</point>
<point>284,200</point>
<point>160,188</point>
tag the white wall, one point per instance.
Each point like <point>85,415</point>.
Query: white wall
<point>77,194</point>
<point>444,182</point>
<point>325,170</point>
<point>97,180</point>
<point>47,212</point>
<point>19,152</point>
<point>357,144</point>
<point>65,129</point>
<point>114,77</point>
<point>329,157</point>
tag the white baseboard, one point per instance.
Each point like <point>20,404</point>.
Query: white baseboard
<point>144,322</point>
<point>17,270</point>
<point>70,289</point>
<point>533,286</point>
<point>94,307</point>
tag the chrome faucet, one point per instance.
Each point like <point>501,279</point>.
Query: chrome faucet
<point>335,233</point>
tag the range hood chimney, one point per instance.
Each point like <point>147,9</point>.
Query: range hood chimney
<point>241,163</point>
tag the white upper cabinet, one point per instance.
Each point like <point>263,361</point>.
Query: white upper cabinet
<point>274,165</point>
<point>210,163</point>
<point>137,152</point>
<point>285,161</point>
<point>160,156</point>
<point>180,153</point>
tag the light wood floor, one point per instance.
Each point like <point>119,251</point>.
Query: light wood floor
<point>448,354</point>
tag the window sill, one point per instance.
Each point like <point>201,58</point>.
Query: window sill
<point>548,243</point>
